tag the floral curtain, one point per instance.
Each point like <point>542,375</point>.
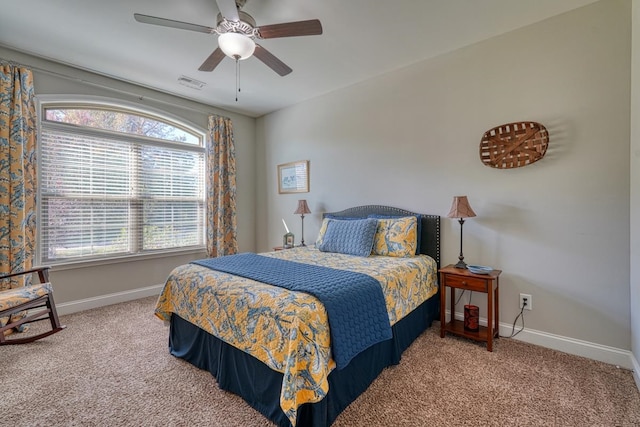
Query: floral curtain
<point>17,174</point>
<point>17,171</point>
<point>221,188</point>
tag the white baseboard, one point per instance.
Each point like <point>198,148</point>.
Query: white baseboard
<point>602,353</point>
<point>104,300</point>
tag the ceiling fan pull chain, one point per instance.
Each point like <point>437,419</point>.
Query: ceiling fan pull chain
<point>237,78</point>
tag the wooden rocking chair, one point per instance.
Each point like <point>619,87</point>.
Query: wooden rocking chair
<point>36,299</point>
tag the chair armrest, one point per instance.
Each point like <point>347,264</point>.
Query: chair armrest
<point>43,273</point>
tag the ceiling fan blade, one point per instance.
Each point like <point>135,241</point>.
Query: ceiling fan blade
<point>271,61</point>
<point>312,27</point>
<point>212,61</point>
<point>154,20</point>
<point>228,9</point>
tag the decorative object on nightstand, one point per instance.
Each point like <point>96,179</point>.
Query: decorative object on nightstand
<point>460,209</point>
<point>479,269</point>
<point>303,208</point>
<point>457,278</point>
<point>288,239</point>
<point>471,318</point>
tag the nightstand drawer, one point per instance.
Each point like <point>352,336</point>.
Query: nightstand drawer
<point>470,283</point>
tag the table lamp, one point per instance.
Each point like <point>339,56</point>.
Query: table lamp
<point>461,209</point>
<point>303,209</point>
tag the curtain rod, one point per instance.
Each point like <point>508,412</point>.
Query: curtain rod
<point>103,86</point>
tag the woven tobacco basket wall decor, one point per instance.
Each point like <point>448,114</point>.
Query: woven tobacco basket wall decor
<point>513,145</point>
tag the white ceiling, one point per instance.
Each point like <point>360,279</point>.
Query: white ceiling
<point>361,39</point>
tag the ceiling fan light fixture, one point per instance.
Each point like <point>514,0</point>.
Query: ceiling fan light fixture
<point>236,45</point>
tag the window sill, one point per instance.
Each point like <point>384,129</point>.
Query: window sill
<point>70,265</point>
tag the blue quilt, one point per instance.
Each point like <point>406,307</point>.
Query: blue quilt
<point>354,302</point>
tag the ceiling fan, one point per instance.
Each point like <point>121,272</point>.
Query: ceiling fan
<point>237,32</point>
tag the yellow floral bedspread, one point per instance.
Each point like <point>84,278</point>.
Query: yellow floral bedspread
<point>286,330</point>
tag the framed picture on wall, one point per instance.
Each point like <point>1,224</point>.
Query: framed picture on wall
<point>293,177</point>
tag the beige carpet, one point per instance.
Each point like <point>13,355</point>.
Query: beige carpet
<point>111,367</point>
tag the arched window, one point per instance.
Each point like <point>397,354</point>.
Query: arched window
<point>117,182</point>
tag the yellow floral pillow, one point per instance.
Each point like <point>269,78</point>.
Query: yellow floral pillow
<point>397,237</point>
<point>323,229</point>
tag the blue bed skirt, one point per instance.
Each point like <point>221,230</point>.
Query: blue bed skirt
<point>259,385</point>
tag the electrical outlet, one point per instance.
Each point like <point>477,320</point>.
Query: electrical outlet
<point>529,300</point>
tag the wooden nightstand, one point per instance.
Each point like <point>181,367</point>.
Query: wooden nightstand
<point>464,279</point>
<point>280,248</point>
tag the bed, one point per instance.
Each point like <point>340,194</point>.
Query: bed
<point>273,346</point>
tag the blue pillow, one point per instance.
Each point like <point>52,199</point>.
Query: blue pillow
<point>418,217</point>
<point>353,237</point>
<point>325,221</point>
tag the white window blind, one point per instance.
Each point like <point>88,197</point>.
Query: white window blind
<point>106,193</point>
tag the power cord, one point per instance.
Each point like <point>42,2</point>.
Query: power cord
<point>513,327</point>
<point>521,314</point>
<point>460,297</point>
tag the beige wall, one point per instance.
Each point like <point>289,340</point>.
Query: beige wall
<point>73,283</point>
<point>559,229</point>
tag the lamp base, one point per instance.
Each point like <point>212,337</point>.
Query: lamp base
<point>461,264</point>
